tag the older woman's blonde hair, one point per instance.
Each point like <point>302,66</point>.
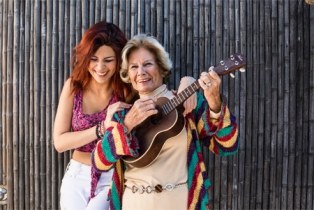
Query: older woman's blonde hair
<point>152,45</point>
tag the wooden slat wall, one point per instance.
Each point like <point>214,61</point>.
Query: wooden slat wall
<point>273,101</point>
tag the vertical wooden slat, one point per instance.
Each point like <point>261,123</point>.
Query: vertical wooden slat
<point>249,108</point>
<point>26,105</point>
<point>195,66</point>
<point>42,94</point>
<point>36,100</point>
<point>122,14</point>
<point>141,16</point>
<point>160,15</point>
<point>67,38</point>
<point>57,163</point>
<point>153,18</point>
<point>165,41</point>
<point>280,103</point>
<point>21,143</point>
<point>268,152</point>
<point>177,74</point>
<point>172,42</point>
<point>274,93</point>
<point>133,18</point>
<point>91,12</point>
<point>183,25</point>
<point>127,30</point>
<point>82,27</point>
<point>15,99</point>
<point>283,197</point>
<point>109,11</point>
<point>310,196</point>
<point>2,151</point>
<point>49,117</point>
<point>78,22</point>
<point>4,37</point>
<point>31,112</point>
<point>103,9</point>
<point>305,113</point>
<point>9,107</point>
<point>189,36</point>
<point>292,101</point>
<point>264,130</point>
<point>97,11</point>
<point>299,106</point>
<point>42,99</point>
<point>115,18</point>
<point>147,20</point>
<point>85,15</point>
<point>242,117</point>
<point>72,23</point>
<point>255,97</point>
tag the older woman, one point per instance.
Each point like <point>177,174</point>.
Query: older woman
<point>176,178</point>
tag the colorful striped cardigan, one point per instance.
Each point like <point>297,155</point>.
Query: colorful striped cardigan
<point>219,135</point>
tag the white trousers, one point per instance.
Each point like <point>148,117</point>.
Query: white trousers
<point>76,186</point>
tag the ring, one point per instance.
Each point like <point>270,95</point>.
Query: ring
<point>208,84</point>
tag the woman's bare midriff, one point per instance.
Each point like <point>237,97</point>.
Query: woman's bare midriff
<point>82,157</point>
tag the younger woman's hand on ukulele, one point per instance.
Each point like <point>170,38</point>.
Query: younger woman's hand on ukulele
<point>113,108</point>
<point>140,111</point>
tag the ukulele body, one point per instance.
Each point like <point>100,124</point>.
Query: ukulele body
<point>153,133</point>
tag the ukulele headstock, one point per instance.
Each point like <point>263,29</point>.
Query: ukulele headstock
<point>234,62</point>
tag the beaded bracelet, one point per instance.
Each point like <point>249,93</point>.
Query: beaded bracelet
<point>102,128</point>
<point>97,131</point>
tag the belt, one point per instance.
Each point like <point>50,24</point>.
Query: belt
<point>158,188</point>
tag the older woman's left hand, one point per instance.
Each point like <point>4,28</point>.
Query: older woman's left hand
<point>210,82</point>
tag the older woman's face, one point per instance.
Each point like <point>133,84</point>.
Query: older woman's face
<point>143,71</point>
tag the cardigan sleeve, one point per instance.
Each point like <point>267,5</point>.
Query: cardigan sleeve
<point>219,135</point>
<point>115,144</point>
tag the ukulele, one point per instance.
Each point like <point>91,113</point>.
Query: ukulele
<point>169,121</point>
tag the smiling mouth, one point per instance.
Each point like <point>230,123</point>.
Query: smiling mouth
<point>101,74</point>
<point>143,80</point>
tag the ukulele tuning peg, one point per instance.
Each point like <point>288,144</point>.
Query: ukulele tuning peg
<point>232,75</point>
<point>242,69</point>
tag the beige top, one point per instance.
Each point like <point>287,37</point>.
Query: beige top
<point>169,168</point>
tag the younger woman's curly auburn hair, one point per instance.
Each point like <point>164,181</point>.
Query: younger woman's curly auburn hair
<point>100,34</point>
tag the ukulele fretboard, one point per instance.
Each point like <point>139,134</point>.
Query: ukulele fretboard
<point>180,98</point>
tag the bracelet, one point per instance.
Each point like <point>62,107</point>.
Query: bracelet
<point>100,133</point>
<point>102,128</point>
<point>97,131</point>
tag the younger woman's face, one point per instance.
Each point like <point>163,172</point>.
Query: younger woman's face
<point>103,64</point>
